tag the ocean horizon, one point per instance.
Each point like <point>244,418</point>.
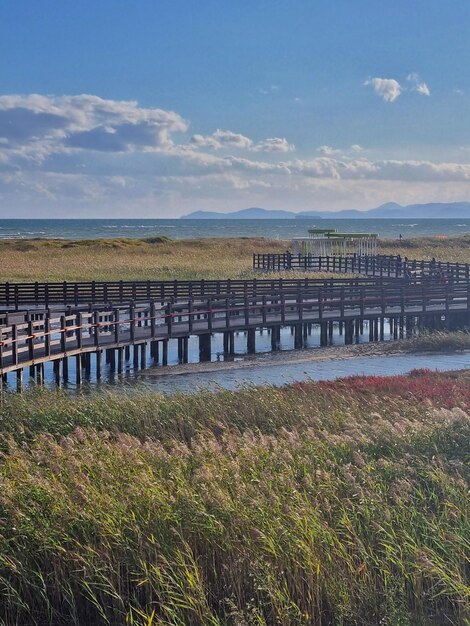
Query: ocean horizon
<point>196,229</point>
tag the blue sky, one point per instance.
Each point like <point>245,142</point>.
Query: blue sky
<point>155,108</point>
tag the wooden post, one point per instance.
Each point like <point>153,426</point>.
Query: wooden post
<point>98,364</point>
<point>96,329</point>
<point>40,374</point>
<point>165,352</point>
<point>205,347</point>
<point>251,341</point>
<point>169,319</point>
<point>30,341</point>
<point>56,367</point>
<point>47,336</point>
<point>19,380</point>
<point>63,336</point>
<point>78,369</point>
<point>117,326</point>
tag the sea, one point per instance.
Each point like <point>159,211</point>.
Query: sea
<point>194,229</point>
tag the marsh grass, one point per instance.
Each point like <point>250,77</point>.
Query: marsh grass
<point>438,341</point>
<point>318,503</point>
<point>451,249</point>
<point>158,258</point>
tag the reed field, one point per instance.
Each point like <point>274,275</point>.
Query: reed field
<point>339,503</point>
<point>335,503</point>
<point>130,259</point>
<point>159,258</point>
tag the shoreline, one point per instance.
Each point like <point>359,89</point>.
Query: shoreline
<point>287,357</point>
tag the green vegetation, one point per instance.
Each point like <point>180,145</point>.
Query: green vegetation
<point>438,341</point>
<point>339,503</point>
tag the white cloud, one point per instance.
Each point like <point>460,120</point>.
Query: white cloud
<point>40,125</point>
<point>274,144</point>
<point>97,154</point>
<point>229,140</point>
<point>418,85</point>
<point>387,88</point>
<point>328,151</point>
<point>222,139</point>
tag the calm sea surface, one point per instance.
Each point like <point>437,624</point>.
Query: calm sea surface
<point>190,229</point>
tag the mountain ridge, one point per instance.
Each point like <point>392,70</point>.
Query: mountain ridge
<point>389,210</point>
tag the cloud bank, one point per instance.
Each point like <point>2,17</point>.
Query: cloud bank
<point>111,157</point>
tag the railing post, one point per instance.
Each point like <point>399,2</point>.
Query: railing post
<point>14,344</point>
<point>30,341</point>
<point>169,318</point>
<point>247,311</point>
<point>96,328</point>
<point>117,325</point>
<point>47,335</point>
<point>227,313</point>
<point>79,330</point>
<point>153,321</point>
<point>63,335</point>
<point>209,314</point>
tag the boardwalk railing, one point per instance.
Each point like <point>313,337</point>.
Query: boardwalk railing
<point>17,295</point>
<point>56,337</point>
<point>380,265</point>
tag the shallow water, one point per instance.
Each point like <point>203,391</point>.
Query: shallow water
<point>266,368</point>
<point>314,370</point>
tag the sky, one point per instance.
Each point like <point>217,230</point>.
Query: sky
<point>156,108</point>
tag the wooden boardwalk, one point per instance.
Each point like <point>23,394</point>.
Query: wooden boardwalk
<point>56,336</point>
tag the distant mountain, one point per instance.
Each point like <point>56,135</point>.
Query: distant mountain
<point>452,210</point>
<point>245,214</point>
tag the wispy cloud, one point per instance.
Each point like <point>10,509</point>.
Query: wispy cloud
<point>270,89</point>
<point>221,139</point>
<point>390,89</point>
<point>418,85</point>
<point>227,139</point>
<point>274,144</point>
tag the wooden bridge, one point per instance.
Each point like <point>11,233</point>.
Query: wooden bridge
<point>83,323</point>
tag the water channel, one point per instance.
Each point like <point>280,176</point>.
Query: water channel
<point>286,366</point>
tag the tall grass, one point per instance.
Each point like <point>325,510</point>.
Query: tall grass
<point>451,249</point>
<point>318,503</point>
<point>156,258</point>
<point>159,258</point>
